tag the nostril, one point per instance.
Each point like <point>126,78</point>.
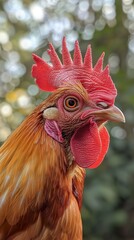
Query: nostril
<point>102,105</point>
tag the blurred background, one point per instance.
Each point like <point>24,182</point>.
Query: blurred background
<point>27,26</point>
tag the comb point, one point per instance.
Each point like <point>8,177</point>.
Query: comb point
<point>40,71</point>
<point>66,57</point>
<point>88,58</point>
<point>36,58</point>
<point>106,70</point>
<point>54,57</point>
<point>105,73</point>
<point>99,65</point>
<point>77,54</point>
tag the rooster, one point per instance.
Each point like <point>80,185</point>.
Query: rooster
<point>42,163</point>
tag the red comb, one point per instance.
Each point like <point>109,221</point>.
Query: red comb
<point>49,78</point>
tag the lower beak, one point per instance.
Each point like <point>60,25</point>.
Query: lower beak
<point>112,113</point>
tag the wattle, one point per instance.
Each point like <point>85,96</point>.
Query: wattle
<point>89,145</point>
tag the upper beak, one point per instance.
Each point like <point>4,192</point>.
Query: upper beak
<point>112,113</point>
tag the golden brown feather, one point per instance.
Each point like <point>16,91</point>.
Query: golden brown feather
<point>40,194</point>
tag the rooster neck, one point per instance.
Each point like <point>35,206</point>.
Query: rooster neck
<point>35,174</point>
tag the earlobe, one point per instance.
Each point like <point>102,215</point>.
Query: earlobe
<point>53,130</point>
<point>51,113</point>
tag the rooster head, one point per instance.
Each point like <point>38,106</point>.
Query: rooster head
<point>82,101</point>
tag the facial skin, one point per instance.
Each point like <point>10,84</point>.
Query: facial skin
<point>76,116</point>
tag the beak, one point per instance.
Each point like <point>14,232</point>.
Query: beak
<point>113,114</point>
<point>110,114</point>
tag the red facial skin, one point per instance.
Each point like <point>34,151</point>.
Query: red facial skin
<point>89,141</point>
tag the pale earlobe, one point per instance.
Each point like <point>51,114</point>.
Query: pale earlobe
<point>51,113</point>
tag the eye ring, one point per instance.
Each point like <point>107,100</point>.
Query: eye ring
<point>71,103</point>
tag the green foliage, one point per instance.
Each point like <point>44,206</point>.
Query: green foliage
<point>27,26</point>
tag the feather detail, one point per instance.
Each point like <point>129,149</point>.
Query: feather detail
<point>67,227</point>
<point>25,164</point>
<point>78,184</point>
<point>31,185</point>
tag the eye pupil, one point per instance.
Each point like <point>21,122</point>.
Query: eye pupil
<point>71,102</point>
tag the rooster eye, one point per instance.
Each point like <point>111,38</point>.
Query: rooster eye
<point>102,105</point>
<point>71,104</point>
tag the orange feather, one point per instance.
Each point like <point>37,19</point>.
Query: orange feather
<point>39,195</point>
